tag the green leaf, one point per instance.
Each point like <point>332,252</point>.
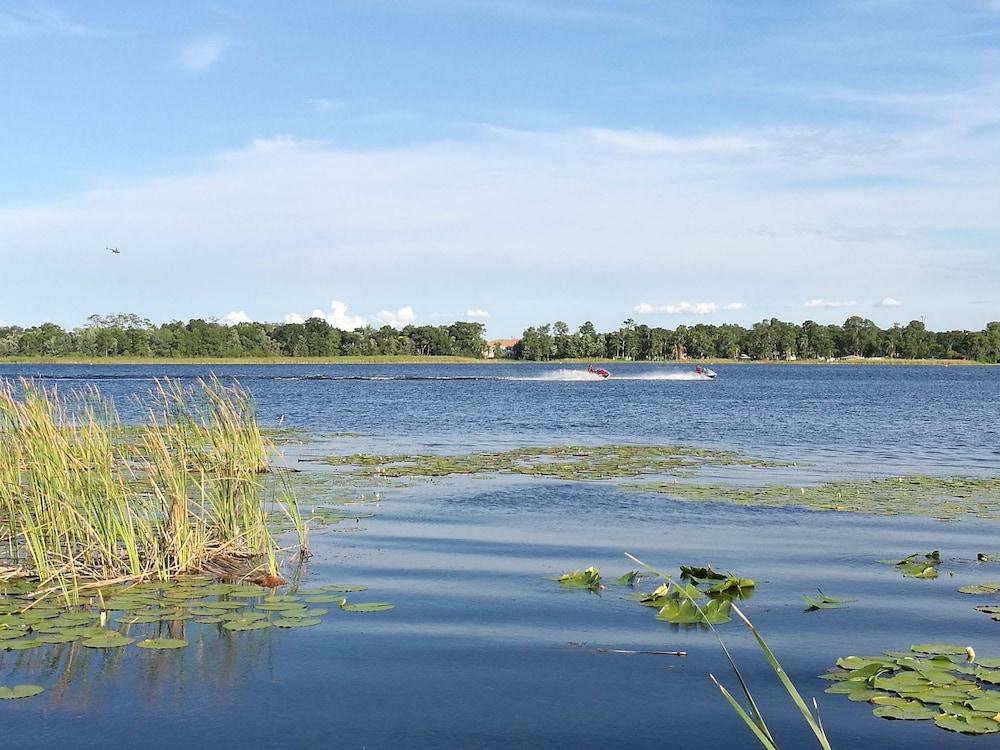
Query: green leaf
<point>296,622</point>
<point>367,607</point>
<point>913,711</point>
<point>974,725</point>
<point>824,602</point>
<point>111,640</point>
<point>590,578</point>
<point>241,625</point>
<point>981,588</point>
<point>162,643</point>
<point>20,691</point>
<point>938,648</point>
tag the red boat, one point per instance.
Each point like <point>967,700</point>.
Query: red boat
<point>598,371</point>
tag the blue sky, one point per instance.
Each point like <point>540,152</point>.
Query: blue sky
<point>509,161</point>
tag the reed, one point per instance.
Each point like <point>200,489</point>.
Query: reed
<point>85,499</point>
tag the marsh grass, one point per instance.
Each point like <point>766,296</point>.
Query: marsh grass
<point>85,500</point>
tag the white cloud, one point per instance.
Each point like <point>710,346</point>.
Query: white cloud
<point>888,302</point>
<point>476,312</point>
<point>202,53</point>
<point>686,308</point>
<point>814,303</point>
<point>337,316</point>
<point>398,319</point>
<point>40,22</point>
<point>236,317</point>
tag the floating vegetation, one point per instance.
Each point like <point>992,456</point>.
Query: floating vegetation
<point>367,607</point>
<point>943,498</point>
<point>942,682</point>
<point>161,644</point>
<point>676,603</point>
<point>815,603</point>
<point>981,588</point>
<point>19,691</point>
<point>572,462</point>
<point>154,615</point>
<point>590,578</point>
<point>918,565</point>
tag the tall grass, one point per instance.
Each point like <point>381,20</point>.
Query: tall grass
<point>85,498</point>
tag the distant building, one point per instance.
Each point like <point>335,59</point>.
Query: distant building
<point>499,348</point>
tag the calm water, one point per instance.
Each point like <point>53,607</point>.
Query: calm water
<point>476,653</point>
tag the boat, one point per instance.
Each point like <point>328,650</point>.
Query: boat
<point>599,371</point>
<point>704,373</point>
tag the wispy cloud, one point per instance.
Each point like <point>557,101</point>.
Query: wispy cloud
<point>40,22</point>
<point>888,302</point>
<point>476,312</point>
<point>821,303</point>
<point>570,12</point>
<point>201,53</point>
<point>324,105</point>
<point>686,308</point>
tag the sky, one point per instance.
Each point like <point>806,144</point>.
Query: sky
<point>513,162</point>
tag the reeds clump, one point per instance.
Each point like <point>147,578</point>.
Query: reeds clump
<point>85,499</point>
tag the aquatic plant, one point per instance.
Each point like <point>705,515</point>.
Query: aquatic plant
<point>815,603</point>
<point>943,682</point>
<point>590,578</point>
<point>85,500</point>
<point>569,462</point>
<point>751,715</point>
<point>942,498</point>
<point>919,565</point>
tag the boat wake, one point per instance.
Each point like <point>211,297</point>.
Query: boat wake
<point>556,376</point>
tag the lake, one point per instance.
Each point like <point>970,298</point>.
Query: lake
<point>483,648</point>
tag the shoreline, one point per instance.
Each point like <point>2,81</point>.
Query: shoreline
<point>454,360</point>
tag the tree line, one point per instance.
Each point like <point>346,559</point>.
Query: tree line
<point>768,340</point>
<point>128,335</point>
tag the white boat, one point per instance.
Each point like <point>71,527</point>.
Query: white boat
<point>704,373</point>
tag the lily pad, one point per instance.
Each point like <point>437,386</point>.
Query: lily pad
<point>939,648</point>
<point>162,643</point>
<point>20,644</point>
<point>20,691</point>
<point>823,601</point>
<point>367,607</point>
<point>296,622</point>
<point>914,711</point>
<point>981,588</point>
<point>324,599</point>
<point>55,638</point>
<point>589,578</point>
<point>974,725</point>
<point>240,625</point>
<point>112,640</point>
<point>343,588</point>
